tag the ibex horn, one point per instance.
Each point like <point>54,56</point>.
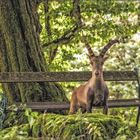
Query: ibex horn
<point>106,47</point>
<point>91,54</point>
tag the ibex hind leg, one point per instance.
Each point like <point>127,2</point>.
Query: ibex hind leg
<point>73,110</point>
<point>83,109</point>
<point>73,105</point>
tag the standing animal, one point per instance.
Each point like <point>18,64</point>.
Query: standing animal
<point>95,91</point>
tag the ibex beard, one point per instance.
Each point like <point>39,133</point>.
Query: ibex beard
<point>95,91</point>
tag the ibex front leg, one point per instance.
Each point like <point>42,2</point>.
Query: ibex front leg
<point>90,99</point>
<point>105,108</point>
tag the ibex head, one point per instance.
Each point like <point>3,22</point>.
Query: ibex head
<point>98,61</point>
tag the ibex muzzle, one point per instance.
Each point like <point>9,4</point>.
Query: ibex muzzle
<point>95,91</point>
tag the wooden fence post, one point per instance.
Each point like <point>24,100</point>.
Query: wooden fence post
<point>138,80</point>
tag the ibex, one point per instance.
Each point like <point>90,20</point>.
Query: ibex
<point>95,91</point>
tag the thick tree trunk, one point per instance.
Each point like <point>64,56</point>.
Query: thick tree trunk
<point>20,51</point>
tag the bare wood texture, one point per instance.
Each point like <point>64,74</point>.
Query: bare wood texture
<point>65,106</point>
<point>9,77</point>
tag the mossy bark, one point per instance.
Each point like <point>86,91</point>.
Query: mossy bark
<point>20,51</point>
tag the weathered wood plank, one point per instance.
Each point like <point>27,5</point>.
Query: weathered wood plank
<point>8,77</point>
<point>41,106</point>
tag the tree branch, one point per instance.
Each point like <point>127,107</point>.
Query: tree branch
<point>76,12</point>
<point>47,19</point>
<point>69,34</point>
<point>65,38</point>
<point>53,54</point>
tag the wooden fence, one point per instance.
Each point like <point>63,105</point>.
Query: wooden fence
<point>21,77</point>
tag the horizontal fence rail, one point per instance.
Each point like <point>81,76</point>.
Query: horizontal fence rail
<point>41,106</point>
<point>20,77</point>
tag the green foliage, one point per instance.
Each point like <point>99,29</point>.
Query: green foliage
<point>31,116</point>
<point>15,132</point>
<point>14,118</point>
<point>104,20</point>
<point>71,127</point>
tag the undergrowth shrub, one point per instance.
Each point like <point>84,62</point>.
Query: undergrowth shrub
<point>71,127</point>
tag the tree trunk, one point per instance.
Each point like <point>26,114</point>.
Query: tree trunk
<point>20,51</point>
